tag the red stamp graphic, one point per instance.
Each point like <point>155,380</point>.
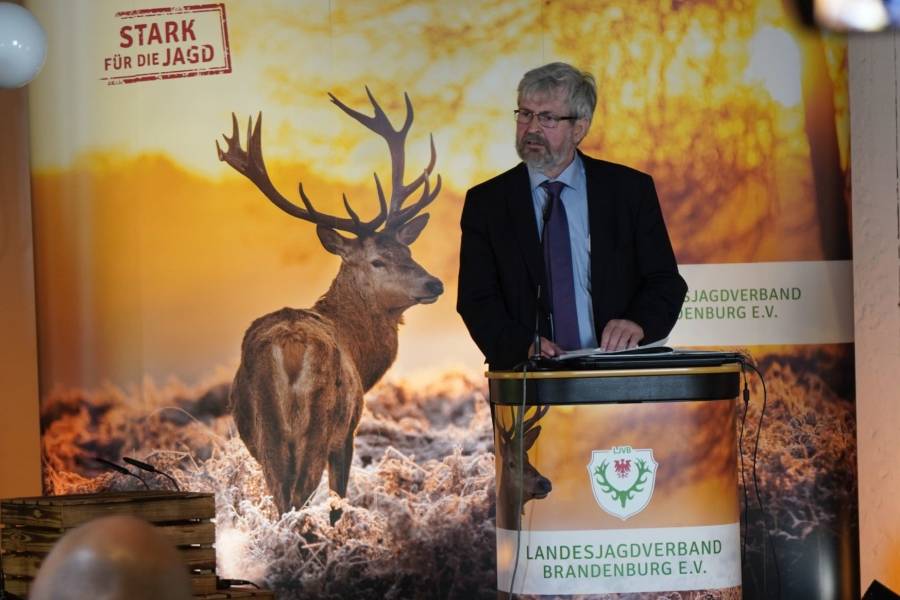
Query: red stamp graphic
<point>167,43</point>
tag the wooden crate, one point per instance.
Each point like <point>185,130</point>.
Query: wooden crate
<point>206,591</point>
<point>31,526</point>
<point>241,592</point>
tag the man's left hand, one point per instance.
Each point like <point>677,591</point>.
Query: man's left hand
<point>620,334</point>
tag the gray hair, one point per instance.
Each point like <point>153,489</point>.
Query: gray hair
<point>579,87</point>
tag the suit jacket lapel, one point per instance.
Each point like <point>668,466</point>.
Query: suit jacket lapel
<point>602,223</point>
<point>520,208</point>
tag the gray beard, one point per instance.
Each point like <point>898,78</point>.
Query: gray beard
<point>536,159</point>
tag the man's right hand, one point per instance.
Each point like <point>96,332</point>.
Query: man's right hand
<point>548,349</point>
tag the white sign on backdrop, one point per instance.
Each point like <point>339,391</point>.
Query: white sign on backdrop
<point>737,304</point>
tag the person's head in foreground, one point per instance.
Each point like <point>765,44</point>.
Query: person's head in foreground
<point>112,558</point>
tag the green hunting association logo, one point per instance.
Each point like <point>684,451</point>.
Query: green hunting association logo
<point>622,479</point>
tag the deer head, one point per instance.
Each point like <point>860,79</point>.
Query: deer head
<point>381,266</point>
<point>532,484</point>
<point>376,260</point>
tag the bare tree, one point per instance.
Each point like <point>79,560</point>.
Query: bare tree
<point>298,393</point>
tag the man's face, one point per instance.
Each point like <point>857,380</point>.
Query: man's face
<point>549,150</point>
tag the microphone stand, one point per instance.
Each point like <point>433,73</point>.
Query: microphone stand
<point>533,360</point>
<point>548,207</point>
<point>536,344</point>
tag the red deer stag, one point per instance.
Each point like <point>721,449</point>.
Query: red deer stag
<point>298,393</point>
<point>519,480</point>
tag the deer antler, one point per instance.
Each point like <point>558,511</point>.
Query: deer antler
<point>396,141</point>
<point>251,165</point>
<point>625,495</point>
<point>527,424</point>
<point>538,414</point>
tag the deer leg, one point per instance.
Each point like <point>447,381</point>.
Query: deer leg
<point>278,469</point>
<point>306,474</point>
<point>339,466</point>
<point>292,475</point>
<point>339,461</point>
<point>281,475</point>
<point>265,444</point>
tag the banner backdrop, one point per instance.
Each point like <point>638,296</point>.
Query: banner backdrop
<point>155,252</point>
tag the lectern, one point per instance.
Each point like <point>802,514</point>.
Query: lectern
<point>618,474</point>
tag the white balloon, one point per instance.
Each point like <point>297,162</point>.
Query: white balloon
<point>23,46</point>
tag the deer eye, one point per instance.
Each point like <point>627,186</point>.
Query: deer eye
<point>378,264</point>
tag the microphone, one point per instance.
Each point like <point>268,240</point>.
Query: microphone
<point>120,469</point>
<point>150,469</point>
<point>548,207</point>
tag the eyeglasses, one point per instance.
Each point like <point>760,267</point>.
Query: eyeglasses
<point>548,120</point>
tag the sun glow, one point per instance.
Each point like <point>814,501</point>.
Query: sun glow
<point>775,63</point>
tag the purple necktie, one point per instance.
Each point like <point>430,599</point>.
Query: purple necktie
<point>558,262</point>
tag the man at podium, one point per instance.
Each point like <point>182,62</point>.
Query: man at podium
<point>564,251</point>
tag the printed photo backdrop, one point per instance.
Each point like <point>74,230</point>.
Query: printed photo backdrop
<point>153,257</point>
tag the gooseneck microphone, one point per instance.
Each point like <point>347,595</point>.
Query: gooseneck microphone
<point>120,469</point>
<point>548,208</point>
<point>150,469</point>
<point>536,355</point>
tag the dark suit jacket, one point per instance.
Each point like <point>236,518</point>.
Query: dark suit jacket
<point>633,271</point>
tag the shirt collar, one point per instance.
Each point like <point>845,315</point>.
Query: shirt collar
<point>572,176</point>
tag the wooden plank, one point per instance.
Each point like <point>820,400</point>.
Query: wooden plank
<point>75,499</point>
<point>202,590</point>
<point>27,565</point>
<point>21,565</point>
<point>237,593</point>
<point>202,533</point>
<point>66,512</point>
<point>20,539</point>
<point>200,557</point>
<point>25,514</point>
<point>203,583</point>
<point>40,541</point>
<point>253,593</point>
<point>19,587</point>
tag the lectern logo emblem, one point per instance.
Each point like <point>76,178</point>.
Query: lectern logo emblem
<point>622,479</point>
